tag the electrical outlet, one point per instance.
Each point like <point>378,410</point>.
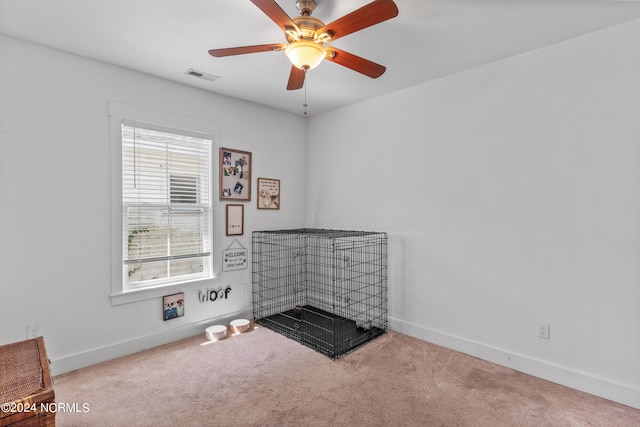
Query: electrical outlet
<point>544,330</point>
<point>33,331</point>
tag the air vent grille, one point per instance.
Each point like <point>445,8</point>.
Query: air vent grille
<point>201,75</point>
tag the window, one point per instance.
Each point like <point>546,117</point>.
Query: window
<point>183,189</point>
<point>166,206</point>
<point>163,203</point>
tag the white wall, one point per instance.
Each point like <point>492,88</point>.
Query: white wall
<point>511,194</point>
<point>55,237</point>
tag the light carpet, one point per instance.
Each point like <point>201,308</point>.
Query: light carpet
<point>260,378</point>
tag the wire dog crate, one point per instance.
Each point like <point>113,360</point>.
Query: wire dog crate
<point>326,289</point>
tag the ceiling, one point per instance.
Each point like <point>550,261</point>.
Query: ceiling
<point>429,39</point>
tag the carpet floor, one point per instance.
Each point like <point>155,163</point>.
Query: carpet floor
<point>260,378</point>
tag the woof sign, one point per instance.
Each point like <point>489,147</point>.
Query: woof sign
<point>235,258</point>
<point>214,294</point>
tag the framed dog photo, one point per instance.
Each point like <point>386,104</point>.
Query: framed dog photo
<point>235,220</point>
<point>235,174</point>
<point>173,306</point>
<point>268,193</point>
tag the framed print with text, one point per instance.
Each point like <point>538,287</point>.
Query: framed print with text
<point>268,193</point>
<point>235,174</point>
<point>235,220</point>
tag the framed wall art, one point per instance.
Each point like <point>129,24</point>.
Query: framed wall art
<point>235,174</point>
<point>173,306</point>
<point>235,220</point>
<point>268,193</point>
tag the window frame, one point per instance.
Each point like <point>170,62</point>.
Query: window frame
<point>127,114</point>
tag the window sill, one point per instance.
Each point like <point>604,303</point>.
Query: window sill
<point>134,295</point>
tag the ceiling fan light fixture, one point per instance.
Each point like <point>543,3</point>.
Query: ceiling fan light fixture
<point>305,54</point>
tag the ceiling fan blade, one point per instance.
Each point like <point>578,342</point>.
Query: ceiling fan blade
<point>356,63</point>
<point>275,12</point>
<point>296,78</point>
<point>218,53</point>
<point>368,15</point>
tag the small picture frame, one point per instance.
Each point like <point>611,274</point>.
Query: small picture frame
<point>268,193</point>
<point>173,306</point>
<point>235,174</point>
<point>235,220</point>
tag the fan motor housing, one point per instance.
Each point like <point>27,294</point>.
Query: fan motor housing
<point>308,26</point>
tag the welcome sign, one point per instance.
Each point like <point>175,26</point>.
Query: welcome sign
<point>235,257</point>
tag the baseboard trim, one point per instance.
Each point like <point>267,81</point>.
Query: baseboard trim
<point>91,357</point>
<point>611,390</point>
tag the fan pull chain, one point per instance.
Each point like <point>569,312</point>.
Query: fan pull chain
<point>305,92</point>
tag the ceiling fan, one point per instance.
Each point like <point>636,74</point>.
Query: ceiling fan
<point>307,35</point>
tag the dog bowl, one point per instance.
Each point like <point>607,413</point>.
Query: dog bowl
<point>216,332</point>
<point>240,325</point>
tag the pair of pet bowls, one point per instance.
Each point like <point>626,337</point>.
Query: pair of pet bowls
<point>219,332</point>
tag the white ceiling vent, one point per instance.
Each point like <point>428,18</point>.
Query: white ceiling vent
<point>201,75</point>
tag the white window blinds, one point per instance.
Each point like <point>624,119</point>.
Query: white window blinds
<point>166,195</point>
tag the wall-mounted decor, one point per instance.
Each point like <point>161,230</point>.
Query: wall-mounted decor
<point>173,306</point>
<point>235,257</point>
<point>210,295</point>
<point>235,174</point>
<point>235,220</point>
<point>268,193</point>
